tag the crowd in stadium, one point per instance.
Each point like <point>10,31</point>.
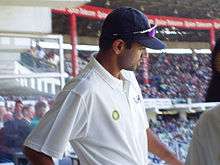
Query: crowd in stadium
<point>16,122</point>
<point>175,133</point>
<point>177,76</point>
<point>38,59</point>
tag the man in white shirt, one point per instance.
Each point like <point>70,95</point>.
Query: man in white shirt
<point>101,111</point>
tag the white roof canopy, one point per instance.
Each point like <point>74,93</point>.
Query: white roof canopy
<point>44,3</point>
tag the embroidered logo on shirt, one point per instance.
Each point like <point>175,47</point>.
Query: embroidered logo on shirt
<point>137,99</point>
<point>115,115</point>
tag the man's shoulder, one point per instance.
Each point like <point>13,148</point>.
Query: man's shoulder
<point>84,82</point>
<point>211,115</point>
<point>208,119</point>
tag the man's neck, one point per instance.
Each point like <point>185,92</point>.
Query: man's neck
<point>109,62</point>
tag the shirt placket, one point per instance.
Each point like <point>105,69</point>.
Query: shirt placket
<point>131,113</point>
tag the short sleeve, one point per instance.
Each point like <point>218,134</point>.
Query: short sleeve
<point>66,121</point>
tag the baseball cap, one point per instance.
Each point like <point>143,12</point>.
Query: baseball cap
<point>130,23</point>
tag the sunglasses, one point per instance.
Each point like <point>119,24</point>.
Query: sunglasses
<point>149,32</point>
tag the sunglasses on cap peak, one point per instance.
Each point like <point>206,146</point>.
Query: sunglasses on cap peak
<point>150,32</point>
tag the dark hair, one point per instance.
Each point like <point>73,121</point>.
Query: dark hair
<point>26,108</point>
<point>105,43</point>
<point>18,100</point>
<point>215,52</point>
<point>213,94</point>
<point>39,105</point>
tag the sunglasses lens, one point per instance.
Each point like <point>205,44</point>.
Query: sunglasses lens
<point>152,33</point>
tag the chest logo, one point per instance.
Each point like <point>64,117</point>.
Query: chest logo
<point>115,115</point>
<point>137,99</point>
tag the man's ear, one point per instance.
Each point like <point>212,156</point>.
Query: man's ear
<point>118,46</point>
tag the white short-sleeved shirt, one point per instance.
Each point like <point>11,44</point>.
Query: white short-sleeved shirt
<point>101,116</point>
<point>205,146</point>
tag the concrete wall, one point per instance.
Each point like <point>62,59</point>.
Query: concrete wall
<point>25,19</point>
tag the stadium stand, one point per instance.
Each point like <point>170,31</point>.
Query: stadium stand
<point>177,76</point>
<point>175,133</point>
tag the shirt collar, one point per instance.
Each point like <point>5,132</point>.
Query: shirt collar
<point>112,81</point>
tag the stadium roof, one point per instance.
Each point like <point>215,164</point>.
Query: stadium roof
<point>43,3</point>
<point>178,8</point>
<point>202,9</point>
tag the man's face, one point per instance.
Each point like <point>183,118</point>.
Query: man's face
<point>3,111</point>
<point>31,112</point>
<point>18,106</point>
<point>131,57</point>
<point>28,113</point>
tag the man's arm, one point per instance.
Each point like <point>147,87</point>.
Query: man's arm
<point>159,149</point>
<point>37,158</point>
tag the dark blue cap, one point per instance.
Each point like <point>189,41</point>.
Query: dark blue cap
<point>130,23</point>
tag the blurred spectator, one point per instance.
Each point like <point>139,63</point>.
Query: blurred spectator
<point>5,115</point>
<point>2,101</point>
<point>8,116</point>
<point>14,133</point>
<point>32,51</point>
<point>213,92</point>
<point>18,109</point>
<point>52,58</point>
<point>40,53</point>
<point>41,107</point>
<point>3,112</point>
<point>28,113</point>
